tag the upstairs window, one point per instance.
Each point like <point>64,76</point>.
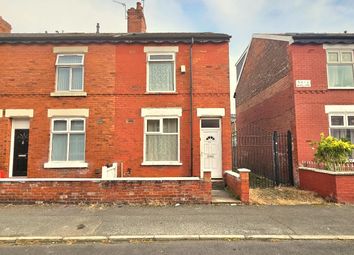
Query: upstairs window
<point>340,69</point>
<point>161,72</point>
<point>70,72</point>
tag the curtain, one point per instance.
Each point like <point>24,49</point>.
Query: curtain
<point>70,59</point>
<point>153,125</point>
<point>59,147</point>
<point>170,126</point>
<point>161,76</point>
<point>77,147</point>
<point>76,78</point>
<point>341,75</point>
<point>63,79</point>
<point>161,147</point>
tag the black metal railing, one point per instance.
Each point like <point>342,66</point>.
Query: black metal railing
<point>267,154</point>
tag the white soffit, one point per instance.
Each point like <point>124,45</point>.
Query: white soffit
<point>68,113</point>
<point>339,108</point>
<point>210,112</point>
<point>159,49</point>
<point>173,111</point>
<point>285,38</point>
<point>73,49</point>
<point>13,113</point>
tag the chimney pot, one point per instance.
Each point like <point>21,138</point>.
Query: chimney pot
<point>5,27</point>
<point>136,19</point>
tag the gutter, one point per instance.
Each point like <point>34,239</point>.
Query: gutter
<point>191,100</point>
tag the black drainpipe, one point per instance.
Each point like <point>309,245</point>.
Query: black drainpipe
<point>191,99</point>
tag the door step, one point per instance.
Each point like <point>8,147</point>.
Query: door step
<point>217,184</point>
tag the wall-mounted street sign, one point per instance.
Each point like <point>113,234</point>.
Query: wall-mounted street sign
<point>303,83</point>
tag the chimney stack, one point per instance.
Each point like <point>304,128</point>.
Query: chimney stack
<point>136,19</point>
<point>5,27</point>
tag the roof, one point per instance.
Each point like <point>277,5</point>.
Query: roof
<point>310,38</point>
<point>56,38</point>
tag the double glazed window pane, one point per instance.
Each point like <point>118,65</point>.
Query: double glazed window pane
<point>70,59</point>
<point>76,147</point>
<point>153,125</point>
<point>63,83</point>
<point>337,120</point>
<point>59,147</point>
<point>162,147</point>
<point>341,75</point>
<point>161,76</point>
<point>170,126</point>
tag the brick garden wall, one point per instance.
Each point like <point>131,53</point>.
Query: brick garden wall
<point>115,191</point>
<point>332,185</point>
<point>238,183</point>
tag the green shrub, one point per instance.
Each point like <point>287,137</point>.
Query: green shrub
<point>332,152</point>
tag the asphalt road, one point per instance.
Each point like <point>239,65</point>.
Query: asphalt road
<point>190,247</point>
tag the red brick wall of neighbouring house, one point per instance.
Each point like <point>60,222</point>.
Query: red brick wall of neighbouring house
<point>309,63</point>
<point>131,192</point>
<point>264,94</point>
<point>211,90</point>
<point>26,82</point>
<point>265,100</point>
<point>334,187</point>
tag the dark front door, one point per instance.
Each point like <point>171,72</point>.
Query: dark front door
<point>20,152</point>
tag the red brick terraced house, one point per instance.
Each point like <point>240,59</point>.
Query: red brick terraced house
<point>155,103</point>
<point>298,82</point>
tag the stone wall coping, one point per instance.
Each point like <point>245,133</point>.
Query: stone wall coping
<point>120,179</point>
<point>326,171</point>
<point>243,170</point>
<point>237,175</point>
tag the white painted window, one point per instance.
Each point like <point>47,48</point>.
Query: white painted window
<point>341,126</point>
<point>67,140</point>
<point>161,75</point>
<point>70,72</point>
<point>340,65</point>
<point>161,141</point>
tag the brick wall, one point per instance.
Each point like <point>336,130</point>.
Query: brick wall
<point>333,186</point>
<point>238,184</point>
<point>117,191</point>
<point>115,81</point>
<point>26,82</point>
<point>309,63</point>
<point>211,89</point>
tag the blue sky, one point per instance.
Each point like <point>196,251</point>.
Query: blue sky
<point>239,18</point>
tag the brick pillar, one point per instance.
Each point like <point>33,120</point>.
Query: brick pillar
<point>5,27</point>
<point>245,185</point>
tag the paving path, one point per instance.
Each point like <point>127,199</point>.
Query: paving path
<point>62,220</point>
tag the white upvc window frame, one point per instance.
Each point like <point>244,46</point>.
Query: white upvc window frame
<point>148,60</point>
<point>71,66</point>
<point>160,132</point>
<point>67,163</point>
<point>339,62</point>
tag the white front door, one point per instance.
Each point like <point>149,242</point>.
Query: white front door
<point>210,146</point>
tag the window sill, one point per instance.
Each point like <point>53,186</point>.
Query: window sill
<point>68,94</point>
<point>161,163</point>
<point>65,164</point>
<point>161,93</point>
